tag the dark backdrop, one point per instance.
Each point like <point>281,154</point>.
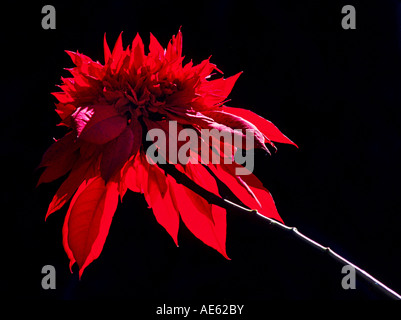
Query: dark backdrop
<point>335,92</point>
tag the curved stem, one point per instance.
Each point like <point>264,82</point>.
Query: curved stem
<point>227,204</point>
<point>372,280</point>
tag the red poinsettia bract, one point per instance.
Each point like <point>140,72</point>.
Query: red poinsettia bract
<point>109,108</point>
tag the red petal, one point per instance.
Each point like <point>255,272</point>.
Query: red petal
<point>205,68</point>
<point>160,199</point>
<point>267,206</point>
<point>63,97</point>
<point>65,110</point>
<point>137,52</point>
<point>140,176</point>
<point>107,53</point>
<point>98,123</point>
<point>88,221</point>
<point>240,189</point>
<point>80,60</point>
<point>232,122</point>
<point>216,91</point>
<point>167,215</point>
<point>137,136</point>
<point>59,150</point>
<point>105,131</point>
<point>79,173</point>
<point>59,158</point>
<point>67,249</point>
<point>206,221</point>
<point>155,49</point>
<point>131,175</point>
<point>174,48</point>
<point>265,126</point>
<point>117,51</point>
<point>116,153</point>
<point>59,169</point>
<point>211,233</point>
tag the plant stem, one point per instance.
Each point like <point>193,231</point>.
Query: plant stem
<point>227,204</point>
<point>372,280</point>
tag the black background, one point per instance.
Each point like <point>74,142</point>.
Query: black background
<point>335,92</point>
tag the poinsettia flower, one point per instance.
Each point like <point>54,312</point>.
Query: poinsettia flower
<point>109,109</point>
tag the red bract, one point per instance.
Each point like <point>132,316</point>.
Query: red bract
<point>109,109</point>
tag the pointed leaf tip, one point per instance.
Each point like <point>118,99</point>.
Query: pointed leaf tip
<point>88,220</point>
<point>265,126</point>
<point>107,52</point>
